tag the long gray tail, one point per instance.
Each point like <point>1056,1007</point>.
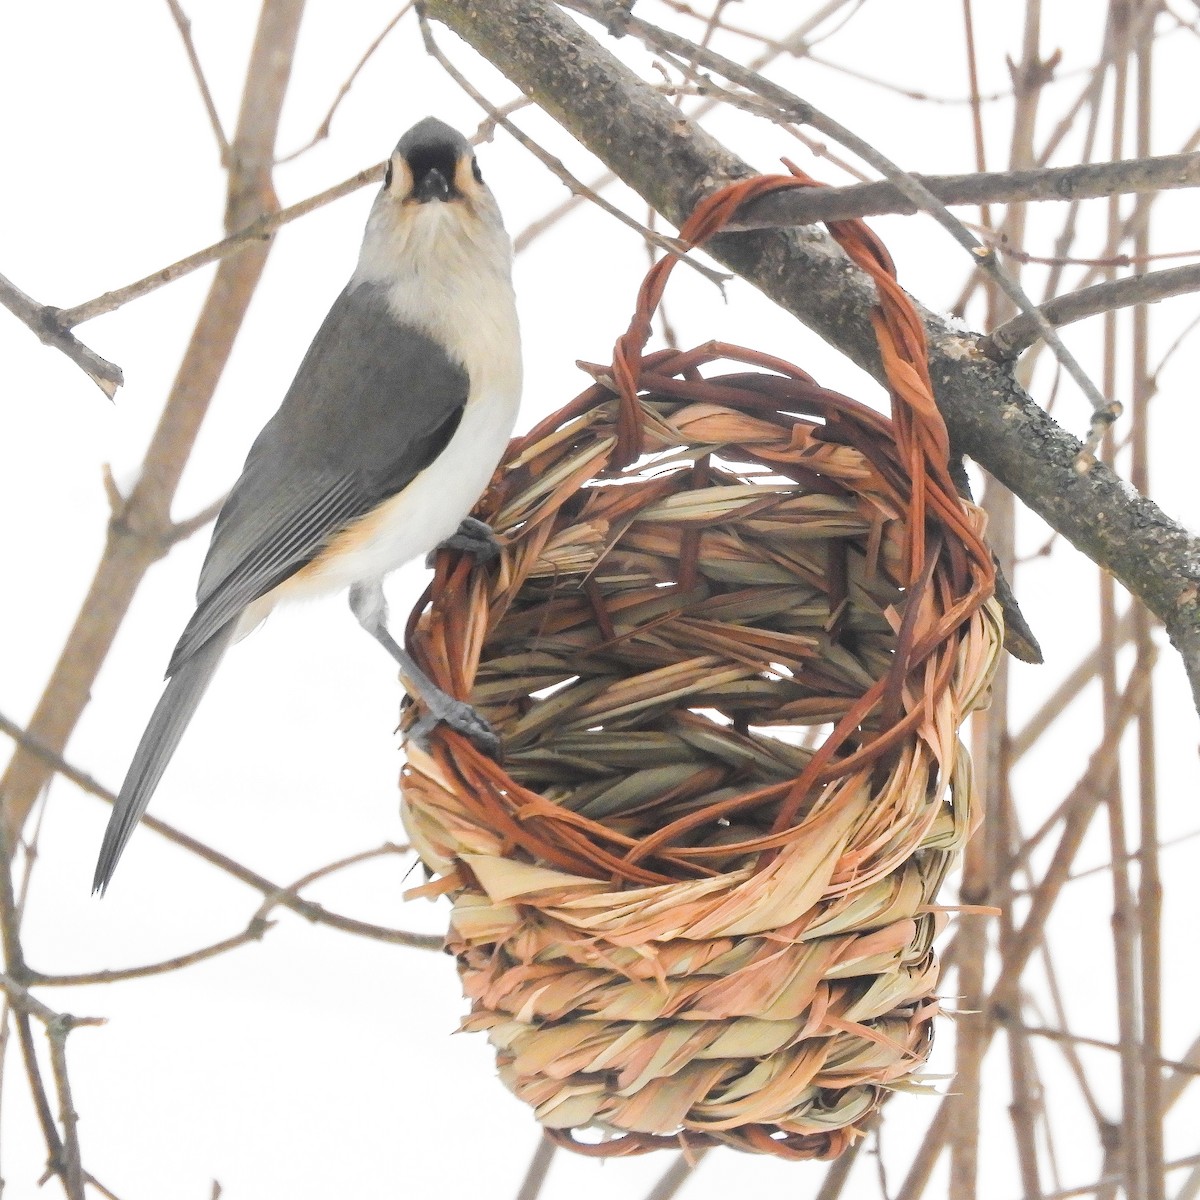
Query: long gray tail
<point>171,716</point>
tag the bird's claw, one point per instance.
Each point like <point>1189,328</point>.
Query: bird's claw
<point>462,718</point>
<point>472,537</point>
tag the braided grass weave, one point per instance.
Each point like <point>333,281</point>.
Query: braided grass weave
<point>736,625</point>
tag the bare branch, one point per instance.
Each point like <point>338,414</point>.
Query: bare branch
<point>254,932</point>
<point>184,25</point>
<point>51,330</point>
<point>182,530</point>
<point>1021,332</point>
<point>1082,182</point>
<point>795,44</point>
<point>22,999</point>
<point>255,233</point>
<point>322,131</point>
<point>838,1173</point>
<point>539,1167</point>
<point>681,1169</point>
<point>1078,1039</point>
<point>63,1157</point>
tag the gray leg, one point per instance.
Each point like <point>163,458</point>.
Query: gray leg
<point>472,537</point>
<point>368,605</point>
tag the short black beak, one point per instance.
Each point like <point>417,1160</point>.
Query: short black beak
<point>433,185</point>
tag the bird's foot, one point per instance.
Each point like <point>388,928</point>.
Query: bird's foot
<point>462,718</point>
<point>472,537</point>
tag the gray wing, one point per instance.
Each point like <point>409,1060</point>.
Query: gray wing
<point>372,405</point>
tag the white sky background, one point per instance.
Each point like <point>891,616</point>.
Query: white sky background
<point>317,1064</point>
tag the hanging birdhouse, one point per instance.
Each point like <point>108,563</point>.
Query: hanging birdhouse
<point>735,628</point>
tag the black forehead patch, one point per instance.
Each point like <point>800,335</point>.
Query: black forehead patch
<point>432,156</point>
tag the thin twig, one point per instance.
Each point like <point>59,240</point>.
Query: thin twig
<point>795,43</point>
<point>1087,1189</point>
<point>351,860</point>
<point>1068,1049</point>
<point>539,1168</point>
<point>682,1167</point>
<point>253,932</point>
<point>23,1004</point>
<point>323,128</point>
<point>25,1001</point>
<point>1123,924</point>
<point>669,245</point>
<point>1062,1035</point>
<point>182,530</point>
<point>1010,250</point>
<point>791,48</point>
<point>71,1168</point>
<point>1055,704</point>
<point>1150,887</point>
<point>184,25</point>
<point>255,233</point>
<point>63,1155</point>
<point>1178,1081</point>
<point>1174,348</point>
<point>836,1177</point>
<point>1081,182</point>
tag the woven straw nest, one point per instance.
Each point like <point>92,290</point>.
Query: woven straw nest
<point>736,625</point>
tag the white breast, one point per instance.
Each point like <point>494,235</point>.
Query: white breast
<point>429,510</point>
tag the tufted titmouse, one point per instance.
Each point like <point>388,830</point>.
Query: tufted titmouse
<point>388,435</point>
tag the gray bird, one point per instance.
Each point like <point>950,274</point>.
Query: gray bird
<point>388,435</point>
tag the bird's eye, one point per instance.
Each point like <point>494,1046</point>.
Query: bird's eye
<point>476,171</point>
<point>387,174</point>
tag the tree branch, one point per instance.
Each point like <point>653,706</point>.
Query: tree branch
<point>1017,335</point>
<point>791,107</point>
<point>46,321</point>
<point>1087,181</point>
<point>184,25</point>
<point>539,1167</point>
<point>672,164</point>
<point>62,1152</point>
